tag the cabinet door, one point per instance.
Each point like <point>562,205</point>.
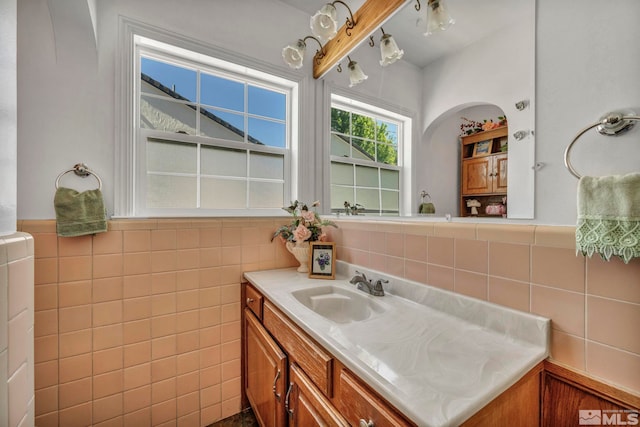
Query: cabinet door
<point>307,406</point>
<point>265,372</point>
<point>500,173</point>
<point>476,177</point>
<point>360,406</point>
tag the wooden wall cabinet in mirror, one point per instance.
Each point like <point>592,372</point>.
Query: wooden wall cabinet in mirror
<point>483,171</point>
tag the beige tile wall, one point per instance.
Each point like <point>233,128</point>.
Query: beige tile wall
<point>16,330</point>
<point>141,325</point>
<point>594,305</point>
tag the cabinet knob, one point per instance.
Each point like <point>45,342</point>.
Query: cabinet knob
<point>363,423</point>
<point>250,300</point>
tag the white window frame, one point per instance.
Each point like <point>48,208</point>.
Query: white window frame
<point>373,107</point>
<point>137,38</point>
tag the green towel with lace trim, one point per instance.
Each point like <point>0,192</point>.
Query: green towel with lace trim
<point>609,216</point>
<point>78,213</point>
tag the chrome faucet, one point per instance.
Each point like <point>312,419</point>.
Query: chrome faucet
<point>361,282</point>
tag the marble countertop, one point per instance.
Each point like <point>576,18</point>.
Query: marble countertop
<point>437,356</point>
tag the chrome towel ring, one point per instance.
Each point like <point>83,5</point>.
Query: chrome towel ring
<point>611,124</point>
<point>82,171</point>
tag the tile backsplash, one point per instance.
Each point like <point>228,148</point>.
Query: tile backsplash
<point>141,325</point>
<point>16,330</point>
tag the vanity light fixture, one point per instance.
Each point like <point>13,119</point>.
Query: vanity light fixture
<point>389,50</point>
<point>520,135</point>
<point>324,23</point>
<point>438,18</point>
<point>356,75</point>
<point>293,54</point>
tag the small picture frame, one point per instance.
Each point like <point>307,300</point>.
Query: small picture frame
<point>482,148</point>
<point>322,260</point>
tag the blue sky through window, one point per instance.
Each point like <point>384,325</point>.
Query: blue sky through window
<point>223,97</point>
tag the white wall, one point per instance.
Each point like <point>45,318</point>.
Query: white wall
<point>587,63</point>
<point>8,117</point>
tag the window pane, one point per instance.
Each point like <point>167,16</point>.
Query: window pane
<point>267,132</point>
<point>339,195</point>
<point>267,103</point>
<point>263,165</point>
<point>369,198</point>
<point>169,116</point>
<point>220,92</point>
<point>390,179</point>
<point>387,132</point>
<point>339,121</point>
<point>390,200</point>
<point>165,191</point>
<point>165,79</point>
<point>223,162</point>
<point>363,126</point>
<point>223,193</point>
<point>266,194</point>
<point>177,157</point>
<point>340,146</point>
<point>366,176</point>
<point>363,149</point>
<point>387,154</point>
<point>219,124</point>
<point>341,173</point>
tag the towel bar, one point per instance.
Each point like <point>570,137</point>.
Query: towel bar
<point>611,124</point>
<point>81,170</point>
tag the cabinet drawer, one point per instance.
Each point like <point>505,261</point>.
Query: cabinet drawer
<point>254,300</point>
<point>357,403</point>
<point>313,360</point>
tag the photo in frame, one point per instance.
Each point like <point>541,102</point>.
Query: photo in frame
<point>482,148</point>
<point>322,260</point>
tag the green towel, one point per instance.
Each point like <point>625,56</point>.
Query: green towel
<point>609,216</point>
<point>427,208</point>
<point>78,214</point>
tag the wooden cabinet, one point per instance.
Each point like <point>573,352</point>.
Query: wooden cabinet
<point>569,395</point>
<point>306,405</point>
<point>320,390</point>
<point>361,406</point>
<point>485,175</point>
<point>265,373</point>
<point>483,171</point>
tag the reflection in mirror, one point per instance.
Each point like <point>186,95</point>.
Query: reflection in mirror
<point>486,58</point>
<point>479,68</point>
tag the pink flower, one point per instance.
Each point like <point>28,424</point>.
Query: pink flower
<point>322,237</point>
<point>308,216</point>
<point>301,233</point>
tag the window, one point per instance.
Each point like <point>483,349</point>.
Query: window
<point>210,137</point>
<point>366,157</point>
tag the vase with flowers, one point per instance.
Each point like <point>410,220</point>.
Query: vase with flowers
<point>305,227</point>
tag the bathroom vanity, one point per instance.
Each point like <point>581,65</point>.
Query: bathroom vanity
<point>320,352</point>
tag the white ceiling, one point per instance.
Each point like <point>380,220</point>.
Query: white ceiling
<point>474,20</point>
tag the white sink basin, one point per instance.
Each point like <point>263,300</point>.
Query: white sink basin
<point>338,304</point>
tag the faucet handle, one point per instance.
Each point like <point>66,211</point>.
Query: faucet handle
<point>363,276</point>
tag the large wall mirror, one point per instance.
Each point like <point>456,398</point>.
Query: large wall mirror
<point>478,68</point>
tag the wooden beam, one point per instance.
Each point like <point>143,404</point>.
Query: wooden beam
<point>368,18</point>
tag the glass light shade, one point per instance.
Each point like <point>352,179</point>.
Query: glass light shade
<point>356,75</point>
<point>389,50</point>
<point>438,18</point>
<point>324,24</point>
<point>293,55</point>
